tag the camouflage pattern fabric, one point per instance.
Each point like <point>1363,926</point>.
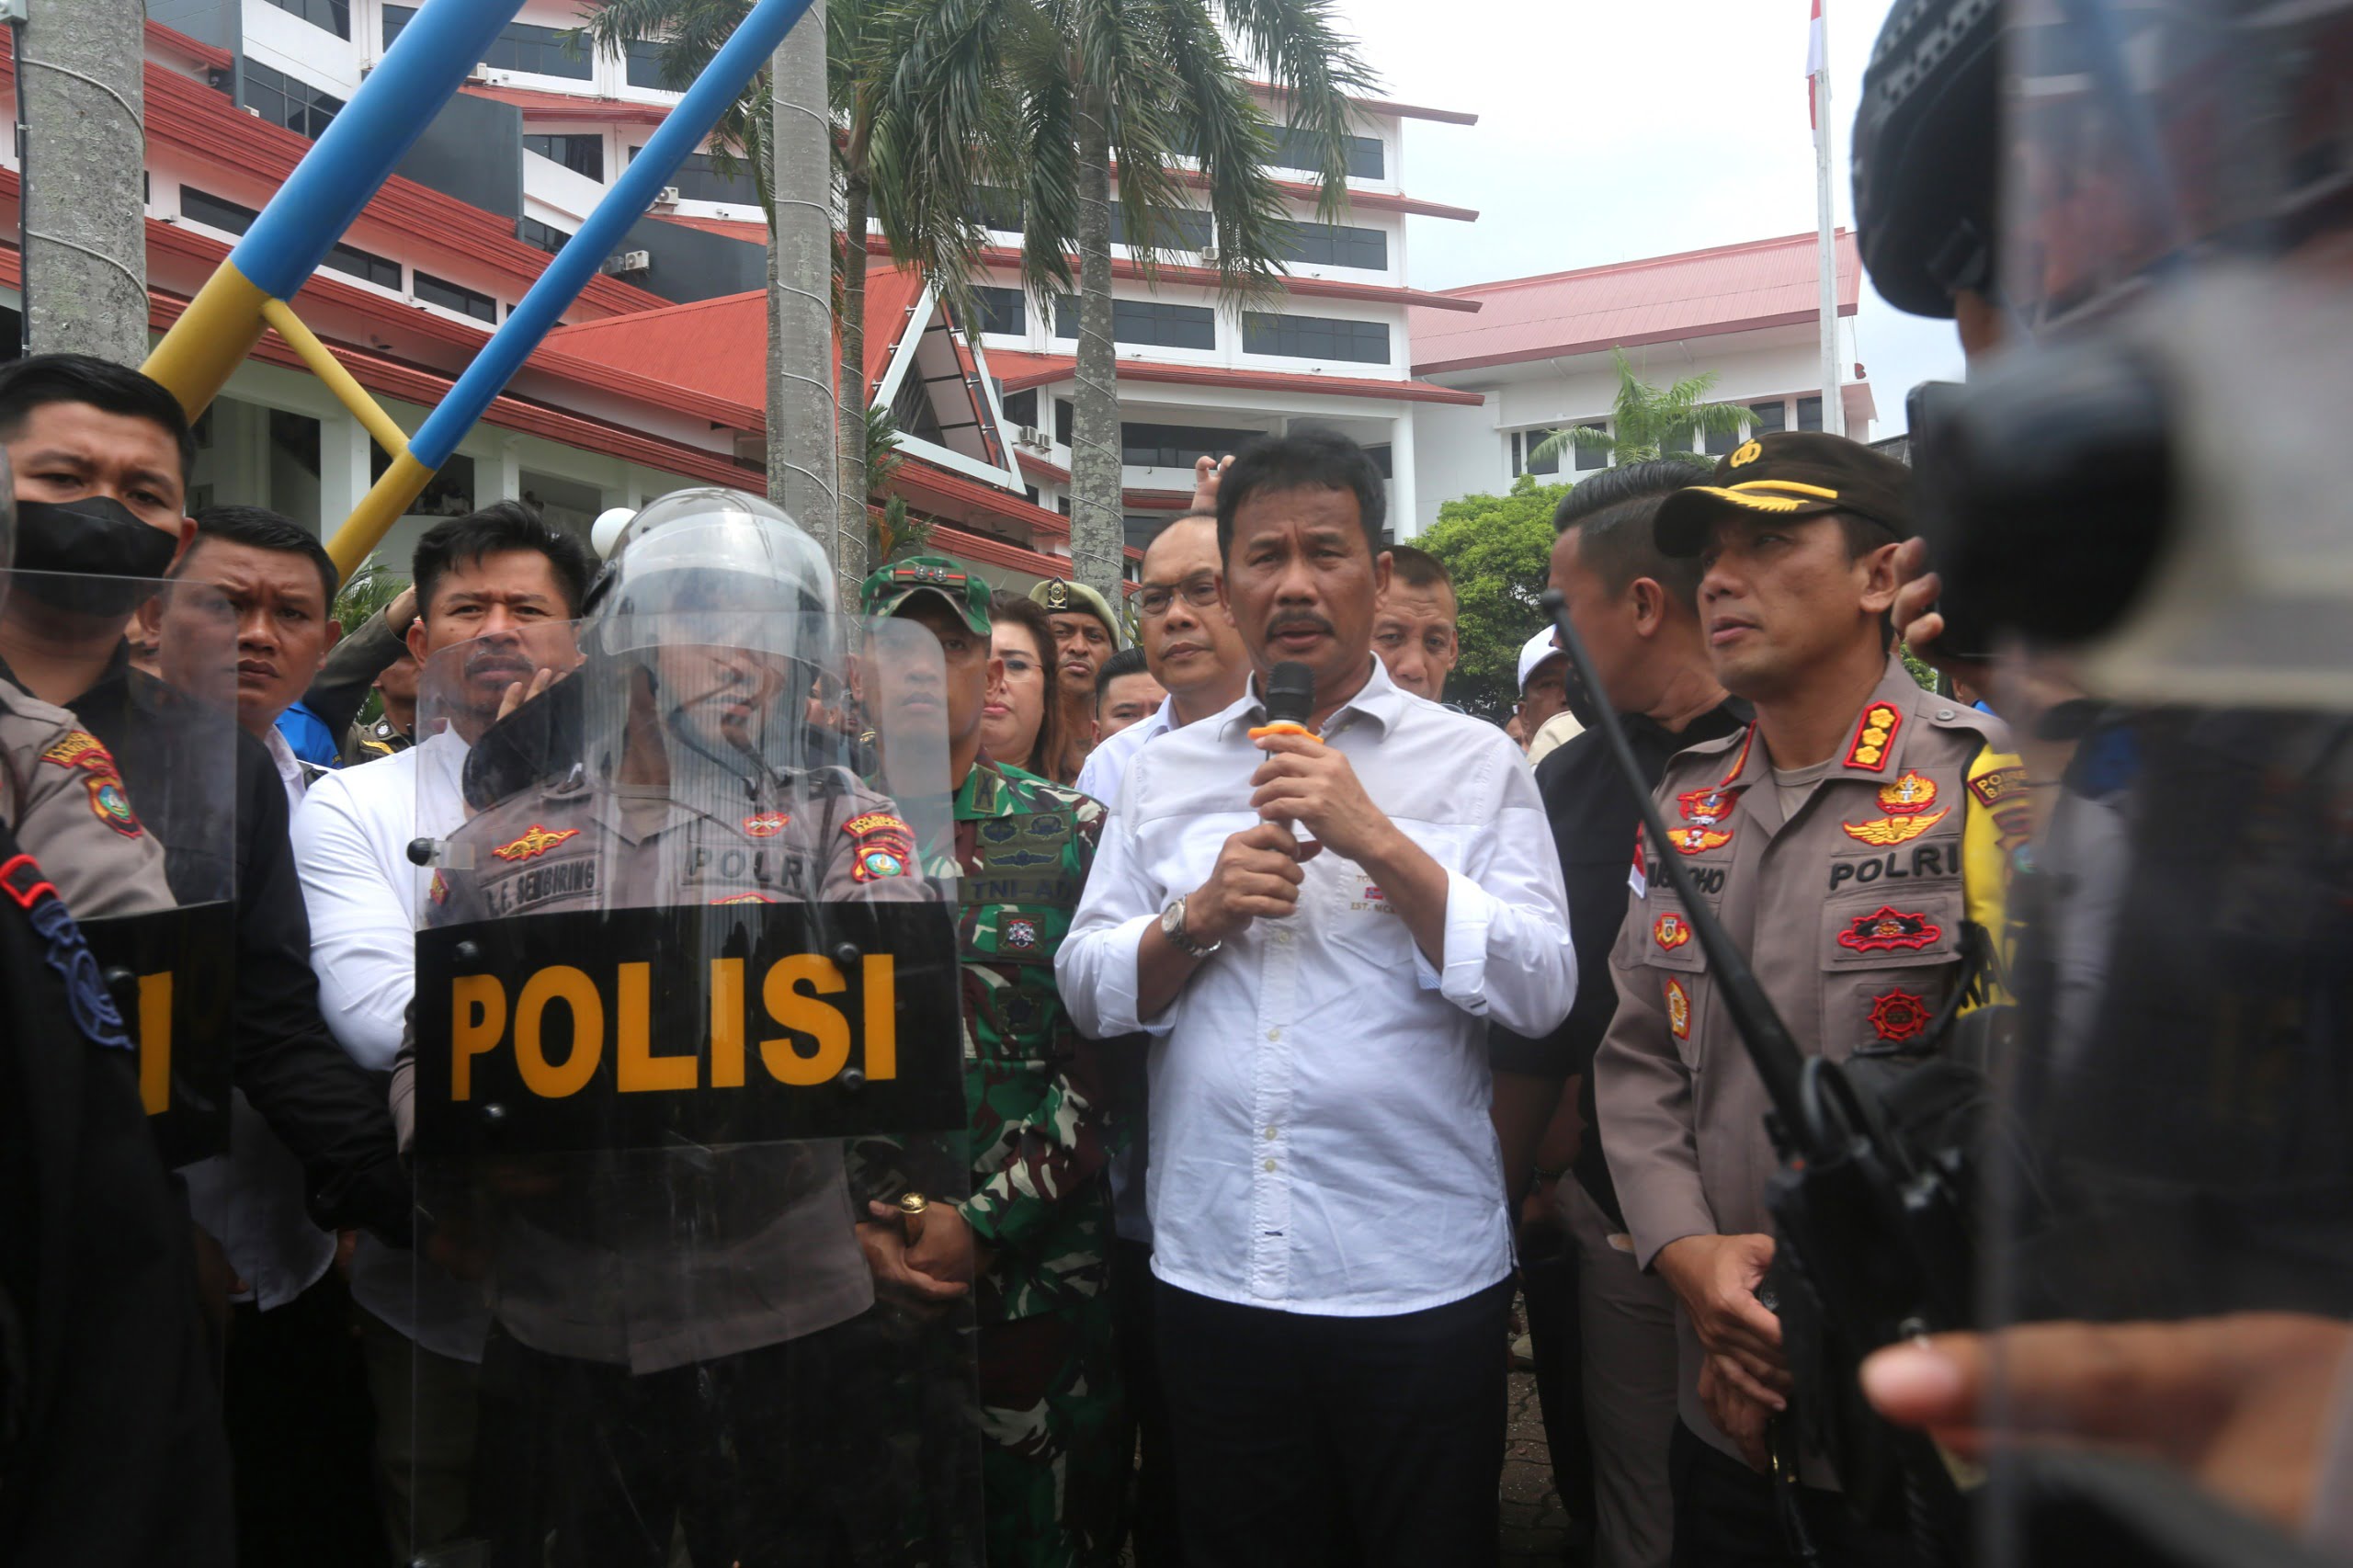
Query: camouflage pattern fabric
<point>1051,1472</point>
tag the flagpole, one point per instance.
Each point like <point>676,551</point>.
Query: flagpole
<point>1834,409</point>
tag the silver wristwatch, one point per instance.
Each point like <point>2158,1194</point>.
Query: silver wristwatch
<point>1171,925</point>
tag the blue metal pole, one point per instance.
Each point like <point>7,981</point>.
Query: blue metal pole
<point>355,154</point>
<point>721,81</point>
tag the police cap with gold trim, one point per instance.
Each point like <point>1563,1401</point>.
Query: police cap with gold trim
<point>888,587</point>
<point>1789,474</point>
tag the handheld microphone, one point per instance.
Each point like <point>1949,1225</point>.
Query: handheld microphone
<point>1290,697</point>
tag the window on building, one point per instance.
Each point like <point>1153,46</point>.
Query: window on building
<point>1066,415</point>
<point>449,493</point>
<point>1524,449</point>
<point>1021,407</point>
<point>581,154</point>
<point>643,62</point>
<point>1178,231</point>
<point>1675,442</point>
<point>1809,414</point>
<point>993,207</point>
<point>1335,245</point>
<point>539,50</point>
<point>1147,322</point>
<point>1002,310</point>
<point>1176,445</point>
<point>381,270</point>
<point>1589,458</point>
<point>282,101</point>
<point>1143,527</point>
<point>1315,337</point>
<point>1061,504</point>
<point>698,180</point>
<point>1719,442</point>
<point>334,16</point>
<point>539,235</point>
<point>912,412</point>
<point>455,297</point>
<point>1380,460</point>
<point>1296,149</point>
<point>215,211</point>
<point>1766,417</point>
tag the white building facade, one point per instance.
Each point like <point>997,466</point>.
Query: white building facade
<point>1538,357</point>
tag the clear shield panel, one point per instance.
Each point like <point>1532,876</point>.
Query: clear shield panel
<point>686,1069</point>
<point>2168,1273</point>
<point>129,805</point>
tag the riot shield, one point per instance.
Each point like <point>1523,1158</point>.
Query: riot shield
<point>687,1014</point>
<point>129,805</point>
<point>2168,1273</point>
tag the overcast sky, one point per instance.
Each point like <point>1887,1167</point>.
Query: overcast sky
<point>1630,128</point>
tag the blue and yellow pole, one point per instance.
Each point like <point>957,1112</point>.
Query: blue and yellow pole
<point>681,132</point>
<point>353,157</point>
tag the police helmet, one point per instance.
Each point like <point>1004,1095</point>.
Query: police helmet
<point>1926,152</point>
<point>711,565</point>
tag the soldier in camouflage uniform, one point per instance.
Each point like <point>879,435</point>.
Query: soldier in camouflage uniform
<point>1035,1235</point>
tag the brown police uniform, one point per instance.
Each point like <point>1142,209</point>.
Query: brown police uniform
<point>66,798</point>
<point>1849,897</point>
<point>603,1271</point>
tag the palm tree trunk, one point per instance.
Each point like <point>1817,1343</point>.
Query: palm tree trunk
<point>800,326</point>
<point>849,422</point>
<point>84,231</point>
<point>1098,535</point>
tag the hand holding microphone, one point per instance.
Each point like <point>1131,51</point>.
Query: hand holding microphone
<point>1257,875</point>
<point>1305,783</point>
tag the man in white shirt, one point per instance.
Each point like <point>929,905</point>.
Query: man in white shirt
<point>1315,931</point>
<point>509,585</point>
<point>1192,647</point>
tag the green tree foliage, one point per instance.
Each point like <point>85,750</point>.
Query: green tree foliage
<point>1142,84</point>
<point>1645,417</point>
<point>1499,549</point>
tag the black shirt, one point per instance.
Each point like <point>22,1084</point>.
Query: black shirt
<point>1593,815</point>
<point>331,1112</point>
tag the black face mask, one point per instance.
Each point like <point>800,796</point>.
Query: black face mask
<point>103,556</point>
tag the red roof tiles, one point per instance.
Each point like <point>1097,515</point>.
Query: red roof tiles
<point>1740,287</point>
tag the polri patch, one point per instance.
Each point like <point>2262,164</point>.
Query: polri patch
<point>882,845</point>
<point>538,841</point>
<point>1887,930</point>
<point>1899,1016</point>
<point>79,748</point>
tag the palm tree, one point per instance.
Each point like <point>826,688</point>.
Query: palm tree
<point>928,225</point>
<point>1138,83</point>
<point>1644,418</point>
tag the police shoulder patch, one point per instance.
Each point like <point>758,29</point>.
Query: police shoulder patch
<point>881,846</point>
<point>1874,734</point>
<point>111,806</point>
<point>538,841</point>
<point>79,748</point>
<point>1997,785</point>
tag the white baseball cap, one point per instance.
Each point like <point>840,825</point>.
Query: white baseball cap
<point>1534,652</point>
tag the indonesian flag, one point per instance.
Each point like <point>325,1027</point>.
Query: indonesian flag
<point>1815,65</point>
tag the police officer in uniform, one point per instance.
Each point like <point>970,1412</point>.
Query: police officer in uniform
<point>1854,839</point>
<point>675,1327</point>
<point>1035,1234</point>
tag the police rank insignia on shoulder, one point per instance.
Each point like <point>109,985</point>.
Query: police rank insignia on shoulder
<point>766,824</point>
<point>1678,1009</point>
<point>111,806</point>
<point>1899,1016</point>
<point>79,748</point>
<point>1887,930</point>
<point>1670,931</point>
<point>1906,803</point>
<point>884,846</point>
<point>538,841</point>
<point>1873,735</point>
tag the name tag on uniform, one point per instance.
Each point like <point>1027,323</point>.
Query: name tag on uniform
<point>706,1025</point>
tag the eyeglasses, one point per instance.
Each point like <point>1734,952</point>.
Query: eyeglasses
<point>1153,601</point>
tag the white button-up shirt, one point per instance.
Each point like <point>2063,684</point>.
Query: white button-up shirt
<point>1320,1131</point>
<point>1108,763</point>
<point>351,841</point>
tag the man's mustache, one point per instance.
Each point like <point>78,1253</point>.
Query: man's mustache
<point>1306,618</point>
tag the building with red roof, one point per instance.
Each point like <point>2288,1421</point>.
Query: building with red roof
<point>1537,355</point>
